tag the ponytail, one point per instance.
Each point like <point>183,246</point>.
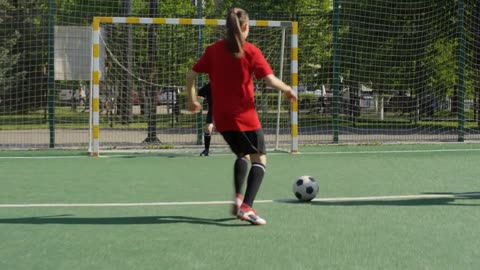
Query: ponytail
<point>236,18</point>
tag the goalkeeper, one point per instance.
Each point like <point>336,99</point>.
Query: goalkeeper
<point>205,92</point>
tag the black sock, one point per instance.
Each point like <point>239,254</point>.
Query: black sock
<point>240,170</point>
<point>255,177</point>
<point>207,137</point>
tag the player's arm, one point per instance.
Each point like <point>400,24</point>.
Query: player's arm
<point>274,82</point>
<point>193,104</point>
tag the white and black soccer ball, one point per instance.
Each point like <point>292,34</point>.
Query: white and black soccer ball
<point>305,188</point>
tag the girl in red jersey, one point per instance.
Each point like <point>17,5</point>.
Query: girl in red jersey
<point>230,64</point>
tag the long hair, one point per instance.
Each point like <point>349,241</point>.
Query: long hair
<point>236,18</point>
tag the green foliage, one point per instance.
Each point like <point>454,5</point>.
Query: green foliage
<point>81,12</point>
<point>177,8</point>
<point>8,60</point>
<point>22,55</point>
<point>443,79</point>
<point>395,45</point>
<point>315,31</point>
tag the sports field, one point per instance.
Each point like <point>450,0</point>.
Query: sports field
<point>379,207</point>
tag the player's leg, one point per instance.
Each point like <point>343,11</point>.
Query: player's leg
<point>240,170</point>
<point>254,181</point>
<point>207,137</point>
<point>252,143</point>
<point>240,167</point>
<point>255,178</point>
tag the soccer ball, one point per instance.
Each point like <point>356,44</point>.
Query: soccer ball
<point>305,188</point>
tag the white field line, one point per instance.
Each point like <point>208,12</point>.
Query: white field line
<point>338,199</point>
<point>44,157</point>
<point>390,151</point>
<point>270,153</point>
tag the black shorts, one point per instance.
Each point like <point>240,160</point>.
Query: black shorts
<point>245,142</point>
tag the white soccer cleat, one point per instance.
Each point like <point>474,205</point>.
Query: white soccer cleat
<point>247,213</point>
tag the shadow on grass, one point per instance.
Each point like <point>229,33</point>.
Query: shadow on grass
<point>156,153</point>
<point>424,199</point>
<point>144,220</point>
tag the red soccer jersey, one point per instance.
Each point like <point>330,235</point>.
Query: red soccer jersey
<point>232,85</point>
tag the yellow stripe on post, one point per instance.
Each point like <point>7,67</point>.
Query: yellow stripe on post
<point>185,21</point>
<point>211,22</point>
<point>96,105</point>
<point>261,23</point>
<point>294,28</point>
<point>105,19</point>
<point>96,132</point>
<point>294,130</point>
<point>132,20</point>
<point>96,50</point>
<point>96,24</point>
<point>294,106</point>
<point>295,79</point>
<point>159,20</point>
<point>294,53</point>
<point>96,77</point>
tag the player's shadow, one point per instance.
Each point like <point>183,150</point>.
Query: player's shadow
<point>424,199</point>
<point>143,220</point>
<point>156,154</point>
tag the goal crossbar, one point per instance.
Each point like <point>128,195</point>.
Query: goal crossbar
<point>94,147</point>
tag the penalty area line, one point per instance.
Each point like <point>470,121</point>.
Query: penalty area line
<point>472,195</point>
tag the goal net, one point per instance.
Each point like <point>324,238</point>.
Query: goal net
<point>139,65</point>
<point>399,72</point>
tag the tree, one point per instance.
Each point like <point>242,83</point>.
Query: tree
<point>315,32</point>
<point>8,60</point>
<point>391,42</point>
<point>24,54</point>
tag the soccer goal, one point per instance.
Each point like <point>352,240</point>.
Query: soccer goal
<point>138,99</point>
